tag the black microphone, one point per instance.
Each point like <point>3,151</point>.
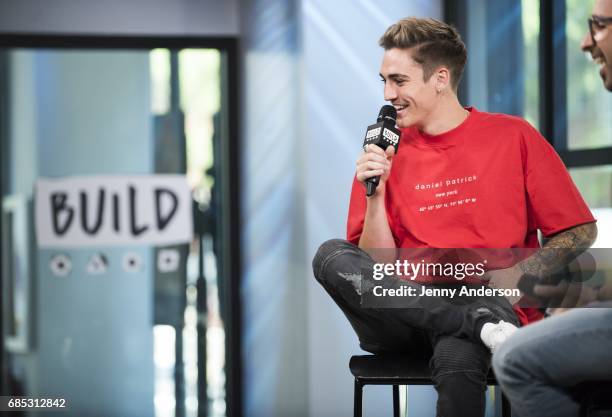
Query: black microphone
<point>382,134</point>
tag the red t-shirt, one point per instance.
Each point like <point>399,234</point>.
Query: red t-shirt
<point>491,182</point>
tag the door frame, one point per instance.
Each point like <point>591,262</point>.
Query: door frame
<point>231,169</point>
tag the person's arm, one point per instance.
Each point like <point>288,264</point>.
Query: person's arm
<point>559,251</point>
<point>553,201</point>
<point>566,294</point>
<point>376,233</point>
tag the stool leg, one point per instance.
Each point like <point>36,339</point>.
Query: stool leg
<point>357,399</point>
<point>506,411</point>
<point>584,406</point>
<point>396,405</point>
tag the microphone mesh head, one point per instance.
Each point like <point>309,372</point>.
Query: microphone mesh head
<point>387,112</point>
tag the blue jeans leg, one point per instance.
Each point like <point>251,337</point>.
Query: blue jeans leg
<point>540,363</point>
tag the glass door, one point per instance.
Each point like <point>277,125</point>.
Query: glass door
<point>138,326</point>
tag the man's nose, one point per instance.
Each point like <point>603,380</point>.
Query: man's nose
<point>390,92</point>
<point>587,42</point>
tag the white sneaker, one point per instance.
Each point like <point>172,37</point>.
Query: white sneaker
<point>494,334</point>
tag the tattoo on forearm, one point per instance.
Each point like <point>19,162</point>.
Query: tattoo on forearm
<point>559,251</point>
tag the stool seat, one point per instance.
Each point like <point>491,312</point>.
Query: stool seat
<point>390,369</point>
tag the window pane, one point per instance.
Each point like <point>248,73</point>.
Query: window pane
<point>200,99</point>
<point>589,105</point>
<point>159,68</point>
<point>595,185</point>
<point>530,17</point>
<point>508,30</point>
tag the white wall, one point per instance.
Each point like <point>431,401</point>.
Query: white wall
<point>125,17</point>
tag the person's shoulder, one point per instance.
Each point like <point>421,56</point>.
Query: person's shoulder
<point>507,127</point>
<point>507,122</point>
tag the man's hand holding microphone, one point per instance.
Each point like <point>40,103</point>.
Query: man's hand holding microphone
<point>373,169</point>
<point>375,162</point>
<point>380,145</point>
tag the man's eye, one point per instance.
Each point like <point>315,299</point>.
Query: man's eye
<point>598,25</point>
<point>383,81</point>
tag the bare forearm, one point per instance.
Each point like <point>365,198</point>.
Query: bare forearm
<point>376,232</point>
<point>559,251</point>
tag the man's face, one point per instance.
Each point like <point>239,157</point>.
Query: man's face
<point>601,51</point>
<point>405,89</point>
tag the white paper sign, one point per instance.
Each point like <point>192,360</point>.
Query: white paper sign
<point>113,211</point>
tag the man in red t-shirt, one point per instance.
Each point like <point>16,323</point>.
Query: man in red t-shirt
<point>462,179</point>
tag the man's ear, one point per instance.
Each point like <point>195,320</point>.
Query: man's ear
<point>442,79</point>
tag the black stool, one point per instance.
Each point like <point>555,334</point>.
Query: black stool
<point>595,398</point>
<point>397,370</point>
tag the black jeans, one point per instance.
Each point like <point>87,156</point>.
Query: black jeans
<point>432,327</point>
